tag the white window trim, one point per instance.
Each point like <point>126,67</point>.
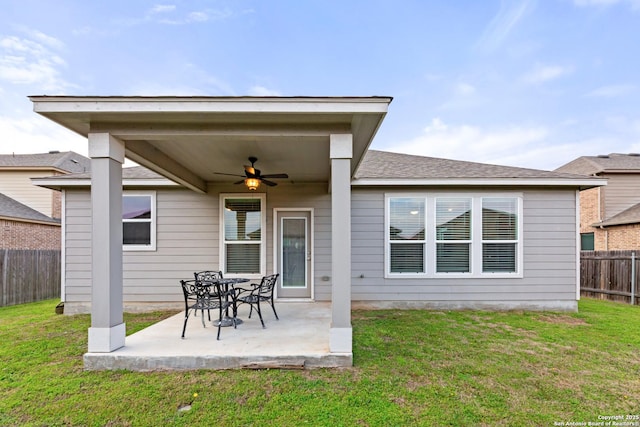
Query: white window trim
<point>263,234</point>
<point>476,241</point>
<point>152,245</point>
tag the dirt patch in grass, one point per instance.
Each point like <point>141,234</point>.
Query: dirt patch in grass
<point>563,320</point>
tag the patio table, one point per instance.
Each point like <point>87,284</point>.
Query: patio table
<point>226,283</point>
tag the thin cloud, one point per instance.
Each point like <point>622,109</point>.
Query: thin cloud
<point>38,135</point>
<point>263,91</point>
<point>503,23</point>
<point>32,62</point>
<point>464,89</point>
<point>612,91</point>
<point>463,97</point>
<point>545,73</point>
<point>189,18</point>
<point>472,143</point>
<point>163,8</point>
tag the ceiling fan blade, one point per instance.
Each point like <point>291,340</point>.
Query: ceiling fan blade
<point>228,174</point>
<point>276,175</point>
<point>269,183</point>
<point>239,182</point>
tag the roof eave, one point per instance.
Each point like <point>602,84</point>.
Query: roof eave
<point>59,184</point>
<point>28,220</point>
<point>582,184</point>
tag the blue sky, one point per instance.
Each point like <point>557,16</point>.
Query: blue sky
<point>515,82</point>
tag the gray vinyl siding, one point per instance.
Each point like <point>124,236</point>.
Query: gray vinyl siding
<point>549,251</point>
<point>621,192</point>
<point>187,240</point>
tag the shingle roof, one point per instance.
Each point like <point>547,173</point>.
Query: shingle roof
<point>67,161</point>
<point>387,165</point>
<point>12,208</point>
<point>592,165</point>
<point>627,216</point>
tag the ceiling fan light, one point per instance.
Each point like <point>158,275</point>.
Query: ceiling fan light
<point>252,183</point>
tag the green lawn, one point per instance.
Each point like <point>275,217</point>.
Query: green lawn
<point>410,368</point>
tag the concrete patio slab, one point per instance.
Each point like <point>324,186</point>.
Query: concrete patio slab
<point>299,340</point>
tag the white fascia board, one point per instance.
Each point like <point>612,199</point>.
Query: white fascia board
<point>70,104</point>
<point>522,182</point>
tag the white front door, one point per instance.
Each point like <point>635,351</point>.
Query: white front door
<point>294,254</point>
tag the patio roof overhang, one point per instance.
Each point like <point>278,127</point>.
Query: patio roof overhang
<point>189,139</point>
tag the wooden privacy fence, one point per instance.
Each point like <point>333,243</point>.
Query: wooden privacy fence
<point>610,275</point>
<point>28,275</point>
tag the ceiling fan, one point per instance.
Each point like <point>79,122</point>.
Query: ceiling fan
<point>253,176</point>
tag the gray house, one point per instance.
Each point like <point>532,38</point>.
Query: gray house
<point>348,225</point>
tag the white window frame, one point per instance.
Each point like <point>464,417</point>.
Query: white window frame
<point>476,235</point>
<point>263,234</point>
<point>153,220</point>
<point>389,241</point>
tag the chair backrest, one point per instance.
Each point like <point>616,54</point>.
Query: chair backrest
<point>196,289</point>
<point>267,284</point>
<point>208,275</point>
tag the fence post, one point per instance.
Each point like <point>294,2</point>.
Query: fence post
<point>633,278</point>
<point>5,288</point>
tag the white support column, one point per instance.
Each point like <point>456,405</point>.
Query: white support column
<point>341,152</point>
<point>107,331</point>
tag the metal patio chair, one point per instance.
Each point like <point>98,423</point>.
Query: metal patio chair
<point>207,275</point>
<point>262,292</point>
<point>203,296</point>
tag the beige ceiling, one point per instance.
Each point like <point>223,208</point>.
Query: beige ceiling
<point>193,140</point>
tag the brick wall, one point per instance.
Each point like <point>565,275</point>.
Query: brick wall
<point>589,209</point>
<point>24,235</point>
<point>620,237</point>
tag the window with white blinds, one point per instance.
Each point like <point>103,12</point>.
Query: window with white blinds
<point>407,235</point>
<point>243,238</point>
<point>447,234</point>
<point>453,235</point>
<point>499,234</point>
<point>138,221</point>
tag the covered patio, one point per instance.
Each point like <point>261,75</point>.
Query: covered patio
<point>299,340</point>
<point>195,142</point>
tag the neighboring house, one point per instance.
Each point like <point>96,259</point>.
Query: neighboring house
<point>349,225</point>
<point>30,214</point>
<point>16,171</point>
<point>24,228</point>
<point>609,215</point>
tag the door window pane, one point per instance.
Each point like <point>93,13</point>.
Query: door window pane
<point>294,252</point>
